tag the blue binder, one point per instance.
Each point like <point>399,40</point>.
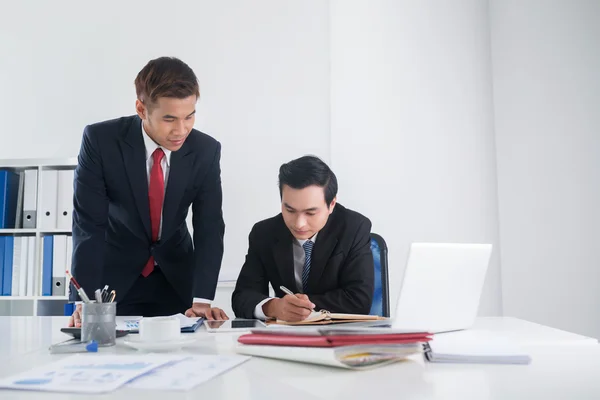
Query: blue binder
<point>47,266</point>
<point>6,264</point>
<point>9,191</point>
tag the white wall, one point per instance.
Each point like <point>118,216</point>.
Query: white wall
<point>546,57</point>
<point>263,68</point>
<point>411,125</point>
<point>397,95</point>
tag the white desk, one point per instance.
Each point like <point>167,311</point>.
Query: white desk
<point>564,366</point>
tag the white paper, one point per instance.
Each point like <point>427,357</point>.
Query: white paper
<point>87,373</point>
<point>187,373</point>
<point>133,323</point>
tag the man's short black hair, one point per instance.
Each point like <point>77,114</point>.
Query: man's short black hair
<point>307,171</point>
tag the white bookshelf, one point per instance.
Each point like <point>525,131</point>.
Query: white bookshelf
<point>35,304</point>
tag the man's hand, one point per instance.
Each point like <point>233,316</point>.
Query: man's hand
<point>206,311</point>
<point>289,308</point>
<point>75,319</point>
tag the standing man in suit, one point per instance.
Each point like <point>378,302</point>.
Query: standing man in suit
<point>316,248</point>
<point>134,183</point>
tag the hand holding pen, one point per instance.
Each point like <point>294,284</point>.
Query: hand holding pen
<point>292,308</point>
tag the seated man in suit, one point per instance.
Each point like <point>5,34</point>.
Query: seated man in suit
<point>315,247</point>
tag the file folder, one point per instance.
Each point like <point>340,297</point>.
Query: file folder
<point>23,266</point>
<point>65,200</point>
<point>9,190</point>
<point>7,270</point>
<point>30,199</point>
<point>59,265</point>
<point>47,266</point>
<point>31,266</point>
<point>16,263</point>
<point>48,199</point>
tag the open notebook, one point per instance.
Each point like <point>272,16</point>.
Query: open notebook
<point>324,317</point>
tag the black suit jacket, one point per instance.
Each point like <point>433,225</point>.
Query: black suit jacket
<point>111,217</point>
<point>341,275</point>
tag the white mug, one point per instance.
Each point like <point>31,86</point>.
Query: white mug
<point>158,329</point>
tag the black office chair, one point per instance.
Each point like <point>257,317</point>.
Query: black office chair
<point>381,295</point>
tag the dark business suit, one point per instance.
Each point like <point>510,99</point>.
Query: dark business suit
<point>111,219</point>
<point>341,274</point>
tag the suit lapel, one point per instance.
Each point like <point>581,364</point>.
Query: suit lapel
<point>326,241</point>
<point>134,158</point>
<point>284,258</point>
<point>179,171</point>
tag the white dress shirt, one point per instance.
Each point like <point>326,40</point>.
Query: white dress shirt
<point>299,258</point>
<point>151,146</point>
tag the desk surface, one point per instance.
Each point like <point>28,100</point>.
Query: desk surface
<point>564,365</point>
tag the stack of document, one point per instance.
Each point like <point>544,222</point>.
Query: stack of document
<point>474,347</point>
<point>360,348</point>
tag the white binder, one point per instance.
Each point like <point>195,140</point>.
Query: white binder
<point>69,257</point>
<point>48,199</point>
<point>65,200</point>
<point>17,256</point>
<point>31,266</point>
<point>23,266</point>
<point>29,198</point>
<point>59,265</point>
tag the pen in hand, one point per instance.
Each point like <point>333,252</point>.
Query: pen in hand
<point>288,291</point>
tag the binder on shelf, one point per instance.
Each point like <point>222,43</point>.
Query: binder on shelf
<point>9,193</point>
<point>16,262</point>
<point>65,199</point>
<point>19,210</point>
<point>59,265</point>
<point>31,266</point>
<point>69,255</point>
<point>47,257</point>
<point>7,265</point>
<point>23,254</point>
<point>30,199</point>
<point>48,199</point>
<point>1,264</point>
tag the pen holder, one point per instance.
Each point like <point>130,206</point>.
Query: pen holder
<point>98,322</point>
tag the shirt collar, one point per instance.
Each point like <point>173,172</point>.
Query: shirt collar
<point>312,239</point>
<point>151,146</point>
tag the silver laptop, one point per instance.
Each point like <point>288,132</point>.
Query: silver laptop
<point>442,287</point>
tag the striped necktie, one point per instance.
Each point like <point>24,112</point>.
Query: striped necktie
<point>308,246</point>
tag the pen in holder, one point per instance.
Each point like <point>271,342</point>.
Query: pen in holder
<point>98,323</point>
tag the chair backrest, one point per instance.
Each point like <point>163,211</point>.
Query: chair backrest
<point>381,295</point>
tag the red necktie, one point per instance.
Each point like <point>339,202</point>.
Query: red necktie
<point>156,195</point>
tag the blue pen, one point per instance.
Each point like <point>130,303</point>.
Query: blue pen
<point>75,346</point>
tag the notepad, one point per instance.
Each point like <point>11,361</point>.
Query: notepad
<point>324,317</point>
<point>474,347</point>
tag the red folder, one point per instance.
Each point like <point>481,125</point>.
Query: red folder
<point>333,340</point>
